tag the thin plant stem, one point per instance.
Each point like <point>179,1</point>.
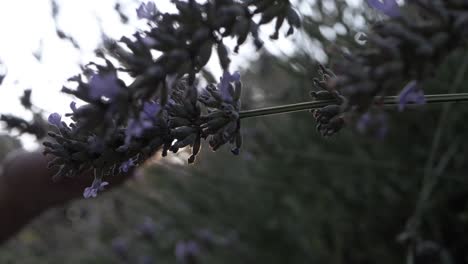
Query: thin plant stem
<point>386,101</point>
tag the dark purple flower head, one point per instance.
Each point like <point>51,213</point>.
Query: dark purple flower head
<point>185,251</point>
<point>104,84</point>
<point>388,7</point>
<point>147,11</point>
<point>96,186</point>
<point>411,93</point>
<point>55,119</point>
<point>224,85</point>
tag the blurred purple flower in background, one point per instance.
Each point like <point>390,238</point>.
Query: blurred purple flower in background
<point>147,228</point>
<point>147,11</point>
<point>120,247</point>
<point>363,122</point>
<point>373,123</point>
<point>411,93</point>
<point>187,251</point>
<point>97,185</point>
<point>55,119</point>
<point>104,84</point>
<point>388,7</point>
<point>146,120</point>
<point>151,109</point>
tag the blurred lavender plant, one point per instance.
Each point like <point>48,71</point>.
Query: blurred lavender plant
<point>37,126</point>
<point>407,47</point>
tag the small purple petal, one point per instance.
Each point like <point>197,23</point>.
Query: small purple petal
<point>134,129</point>
<point>89,193</point>
<point>388,7</point>
<point>235,77</point>
<point>127,165</point>
<point>97,185</point>
<point>103,184</point>
<point>363,122</point>
<point>224,84</point>
<point>151,109</point>
<point>147,11</point>
<point>150,41</point>
<point>411,93</point>
<point>374,124</point>
<point>104,84</point>
<point>55,119</point>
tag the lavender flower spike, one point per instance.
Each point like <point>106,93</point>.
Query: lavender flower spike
<point>97,185</point>
<point>411,94</point>
<point>388,7</point>
<point>147,11</point>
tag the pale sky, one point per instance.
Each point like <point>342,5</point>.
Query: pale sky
<point>28,24</point>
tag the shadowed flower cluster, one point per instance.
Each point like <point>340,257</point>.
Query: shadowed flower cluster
<point>120,125</point>
<point>406,48</point>
<point>112,148</point>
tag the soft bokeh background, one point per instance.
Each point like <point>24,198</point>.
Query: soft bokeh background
<point>290,197</point>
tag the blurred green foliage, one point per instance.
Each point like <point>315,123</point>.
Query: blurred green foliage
<point>291,196</point>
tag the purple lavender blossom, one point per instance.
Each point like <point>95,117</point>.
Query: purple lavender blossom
<point>127,165</point>
<point>411,93</point>
<point>147,11</point>
<point>363,122</point>
<point>145,120</point>
<point>97,185</point>
<point>104,84</point>
<point>149,41</point>
<point>388,7</point>
<point>150,109</point>
<point>186,250</point>
<point>55,119</point>
<point>224,84</point>
<point>134,129</point>
<point>375,124</point>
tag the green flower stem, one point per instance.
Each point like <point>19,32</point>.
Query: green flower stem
<point>387,101</point>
